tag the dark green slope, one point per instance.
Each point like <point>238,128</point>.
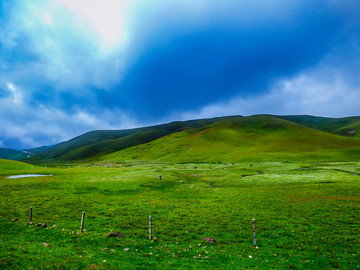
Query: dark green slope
<point>37,150</point>
<point>102,142</point>
<point>347,126</point>
<point>6,153</point>
<point>253,138</point>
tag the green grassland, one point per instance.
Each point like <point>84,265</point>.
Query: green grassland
<point>298,176</point>
<point>307,214</point>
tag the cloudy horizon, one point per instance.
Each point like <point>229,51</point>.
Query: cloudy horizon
<point>69,67</point>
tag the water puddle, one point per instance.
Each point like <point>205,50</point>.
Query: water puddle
<point>28,175</point>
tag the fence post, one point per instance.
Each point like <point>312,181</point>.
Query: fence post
<point>254,231</point>
<point>30,216</point>
<point>82,221</point>
<point>150,227</point>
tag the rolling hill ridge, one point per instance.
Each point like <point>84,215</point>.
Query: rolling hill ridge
<point>230,138</point>
<point>254,138</point>
<point>7,153</point>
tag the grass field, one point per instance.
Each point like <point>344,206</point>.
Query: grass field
<point>307,216</point>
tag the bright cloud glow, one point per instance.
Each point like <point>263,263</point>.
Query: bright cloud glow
<point>105,17</point>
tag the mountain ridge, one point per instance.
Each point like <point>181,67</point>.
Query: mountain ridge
<point>97,144</point>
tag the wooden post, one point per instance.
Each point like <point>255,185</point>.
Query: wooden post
<point>30,215</point>
<point>254,231</point>
<point>150,227</point>
<point>82,221</point>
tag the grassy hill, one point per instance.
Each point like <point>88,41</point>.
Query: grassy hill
<point>6,164</point>
<point>254,138</point>
<point>12,154</point>
<point>37,149</point>
<point>230,139</point>
<point>348,126</point>
<point>101,142</point>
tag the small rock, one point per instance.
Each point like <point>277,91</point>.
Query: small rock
<point>181,182</point>
<point>14,219</point>
<point>54,226</point>
<point>155,239</point>
<point>104,261</point>
<point>43,225</point>
<point>46,245</point>
<point>122,236</point>
<point>210,240</point>
<point>126,249</point>
<point>112,234</point>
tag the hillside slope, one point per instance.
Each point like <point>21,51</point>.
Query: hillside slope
<point>6,153</point>
<point>348,126</point>
<point>98,143</point>
<point>254,138</point>
<point>228,138</point>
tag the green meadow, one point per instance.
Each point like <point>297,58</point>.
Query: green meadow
<point>307,215</point>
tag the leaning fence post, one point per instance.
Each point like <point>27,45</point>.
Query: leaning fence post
<point>30,216</point>
<point>82,221</point>
<point>150,227</point>
<point>254,231</point>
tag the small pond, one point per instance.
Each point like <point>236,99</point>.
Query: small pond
<point>28,175</point>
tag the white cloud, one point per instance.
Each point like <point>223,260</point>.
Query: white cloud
<point>69,43</point>
<point>16,95</point>
<point>42,125</point>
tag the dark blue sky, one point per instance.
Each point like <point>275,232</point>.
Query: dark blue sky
<point>70,66</point>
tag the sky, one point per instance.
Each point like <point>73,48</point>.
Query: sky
<point>71,66</point>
